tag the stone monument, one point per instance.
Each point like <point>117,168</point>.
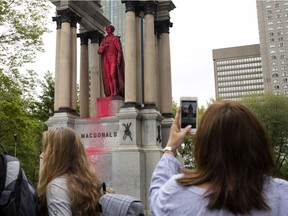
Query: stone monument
<point>124,136</point>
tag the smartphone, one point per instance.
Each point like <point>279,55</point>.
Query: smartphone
<point>189,114</point>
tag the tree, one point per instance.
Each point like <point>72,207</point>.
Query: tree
<point>272,110</point>
<point>44,108</point>
<point>20,131</point>
<point>22,23</point>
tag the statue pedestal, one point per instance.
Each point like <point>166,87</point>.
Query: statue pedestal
<point>108,106</point>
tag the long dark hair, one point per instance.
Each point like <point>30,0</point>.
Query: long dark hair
<point>234,155</point>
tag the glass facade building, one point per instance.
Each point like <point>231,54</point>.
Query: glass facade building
<point>237,72</point>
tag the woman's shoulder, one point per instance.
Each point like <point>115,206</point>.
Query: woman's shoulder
<point>276,186</point>
<point>282,185</point>
<point>279,183</point>
<point>58,182</point>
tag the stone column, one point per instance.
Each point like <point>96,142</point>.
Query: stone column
<point>139,57</point>
<point>130,54</point>
<point>149,55</point>
<point>165,77</point>
<point>74,20</point>
<point>165,68</point>
<point>64,78</point>
<point>84,76</point>
<point>95,80</point>
<point>57,19</point>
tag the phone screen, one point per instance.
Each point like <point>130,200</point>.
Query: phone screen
<point>188,113</point>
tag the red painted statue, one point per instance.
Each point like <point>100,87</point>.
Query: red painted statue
<point>112,63</point>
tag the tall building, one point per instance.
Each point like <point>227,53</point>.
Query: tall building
<point>237,72</point>
<point>114,11</point>
<point>273,34</point>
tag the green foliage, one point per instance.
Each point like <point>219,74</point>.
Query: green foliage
<point>272,110</point>
<point>20,131</point>
<point>22,23</point>
<point>45,107</point>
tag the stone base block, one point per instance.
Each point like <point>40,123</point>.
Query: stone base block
<point>108,106</point>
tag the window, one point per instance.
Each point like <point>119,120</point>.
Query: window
<point>275,75</point>
<point>279,26</point>
<point>278,16</point>
<point>275,80</point>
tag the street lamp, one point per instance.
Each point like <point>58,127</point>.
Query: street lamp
<point>15,139</point>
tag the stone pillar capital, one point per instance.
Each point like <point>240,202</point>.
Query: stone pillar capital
<point>130,5</point>
<point>163,26</point>
<point>84,38</point>
<point>94,36</point>
<point>150,7</point>
<point>57,19</point>
<point>65,15</point>
<point>74,20</point>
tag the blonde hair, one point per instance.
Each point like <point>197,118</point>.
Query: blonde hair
<point>65,156</point>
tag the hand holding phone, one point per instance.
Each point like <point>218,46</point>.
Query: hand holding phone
<point>189,114</point>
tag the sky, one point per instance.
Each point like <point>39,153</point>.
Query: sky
<point>199,26</point>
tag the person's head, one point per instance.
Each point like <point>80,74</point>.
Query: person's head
<point>110,29</point>
<point>234,155</point>
<point>64,155</point>
<point>232,141</point>
<point>63,152</point>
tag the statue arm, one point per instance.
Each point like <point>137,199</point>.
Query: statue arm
<point>102,47</point>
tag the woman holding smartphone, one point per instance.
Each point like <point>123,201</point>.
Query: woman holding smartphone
<point>234,169</point>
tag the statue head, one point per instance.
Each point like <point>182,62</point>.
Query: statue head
<point>110,29</point>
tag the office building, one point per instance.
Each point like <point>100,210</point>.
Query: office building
<point>237,72</point>
<point>273,30</point>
